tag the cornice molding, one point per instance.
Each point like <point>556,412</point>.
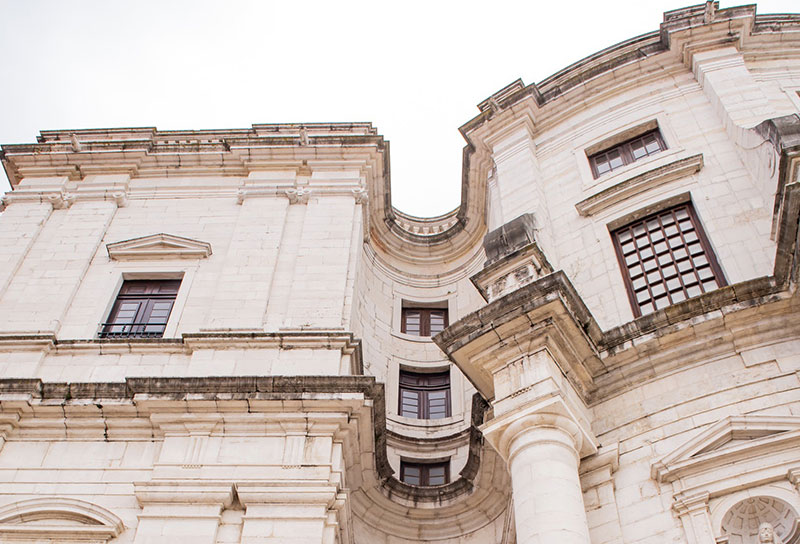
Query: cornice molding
<point>730,440</point>
<point>58,518</point>
<point>148,407</point>
<point>635,185</point>
<point>158,246</point>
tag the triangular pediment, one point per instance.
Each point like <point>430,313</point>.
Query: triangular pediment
<point>730,439</point>
<point>58,519</point>
<point>159,246</point>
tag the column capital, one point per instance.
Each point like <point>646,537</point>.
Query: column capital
<point>691,504</point>
<point>548,413</point>
<point>794,477</point>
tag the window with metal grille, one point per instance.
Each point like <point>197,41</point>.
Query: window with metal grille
<point>424,396</point>
<point>627,152</point>
<point>141,309</point>
<point>666,258</point>
<point>423,321</point>
<point>425,473</point>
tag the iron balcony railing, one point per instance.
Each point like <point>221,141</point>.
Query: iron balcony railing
<point>131,330</point>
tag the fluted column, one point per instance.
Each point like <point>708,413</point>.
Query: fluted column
<point>543,452</point>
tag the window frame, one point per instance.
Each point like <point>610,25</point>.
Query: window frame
<point>423,388</point>
<point>143,317</point>
<point>664,278</point>
<point>425,315</point>
<point>625,149</point>
<point>424,468</point>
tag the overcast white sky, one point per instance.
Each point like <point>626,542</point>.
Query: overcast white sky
<point>416,70</point>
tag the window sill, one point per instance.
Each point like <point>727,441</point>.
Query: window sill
<point>411,337</point>
<point>633,181</point>
<point>637,167</point>
<point>424,423</point>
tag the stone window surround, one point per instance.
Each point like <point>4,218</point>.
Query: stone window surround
<point>425,464</point>
<point>148,271</point>
<point>793,91</point>
<point>712,472</point>
<point>701,238</point>
<point>423,391</point>
<point>425,319</point>
<point>408,300</point>
<point>456,417</point>
<point>626,151</point>
<point>603,138</point>
<point>142,322</point>
<point>60,519</point>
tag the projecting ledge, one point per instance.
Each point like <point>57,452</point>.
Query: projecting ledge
<point>635,185</point>
<point>544,316</point>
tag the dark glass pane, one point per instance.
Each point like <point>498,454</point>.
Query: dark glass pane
<point>142,309</point>
<point>411,322</point>
<point>436,475</point>
<point>411,475</point>
<point>438,318</point>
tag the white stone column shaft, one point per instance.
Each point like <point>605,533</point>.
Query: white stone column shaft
<point>548,502</point>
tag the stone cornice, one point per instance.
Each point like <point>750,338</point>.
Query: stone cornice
<point>149,152</point>
<point>729,441</point>
<point>159,246</point>
<point>143,408</point>
<point>635,185</point>
<point>549,311</point>
<point>38,519</point>
<point>679,29</point>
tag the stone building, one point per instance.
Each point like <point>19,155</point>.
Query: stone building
<point>231,336</point>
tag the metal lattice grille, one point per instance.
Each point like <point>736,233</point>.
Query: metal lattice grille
<point>666,258</point>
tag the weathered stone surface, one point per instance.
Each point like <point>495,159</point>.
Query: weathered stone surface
<point>270,411</point>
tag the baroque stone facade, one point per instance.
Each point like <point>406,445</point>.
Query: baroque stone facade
<point>231,336</point>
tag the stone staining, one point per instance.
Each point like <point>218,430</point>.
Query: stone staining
<point>268,407</point>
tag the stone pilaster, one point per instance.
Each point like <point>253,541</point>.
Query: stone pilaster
<point>180,511</point>
<point>693,512</point>
<point>290,514</point>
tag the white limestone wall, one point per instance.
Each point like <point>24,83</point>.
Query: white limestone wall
<point>488,534</point>
<point>274,266</point>
<point>734,208</point>
<point>652,418</point>
<point>177,484</point>
<point>379,297</point>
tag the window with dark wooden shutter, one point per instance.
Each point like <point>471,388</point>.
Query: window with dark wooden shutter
<point>665,259</point>
<point>424,321</point>
<point>424,396</point>
<point>627,152</point>
<point>425,474</point>
<point>141,310</point>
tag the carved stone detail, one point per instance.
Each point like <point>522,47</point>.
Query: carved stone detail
<point>297,195</point>
<point>159,246</point>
